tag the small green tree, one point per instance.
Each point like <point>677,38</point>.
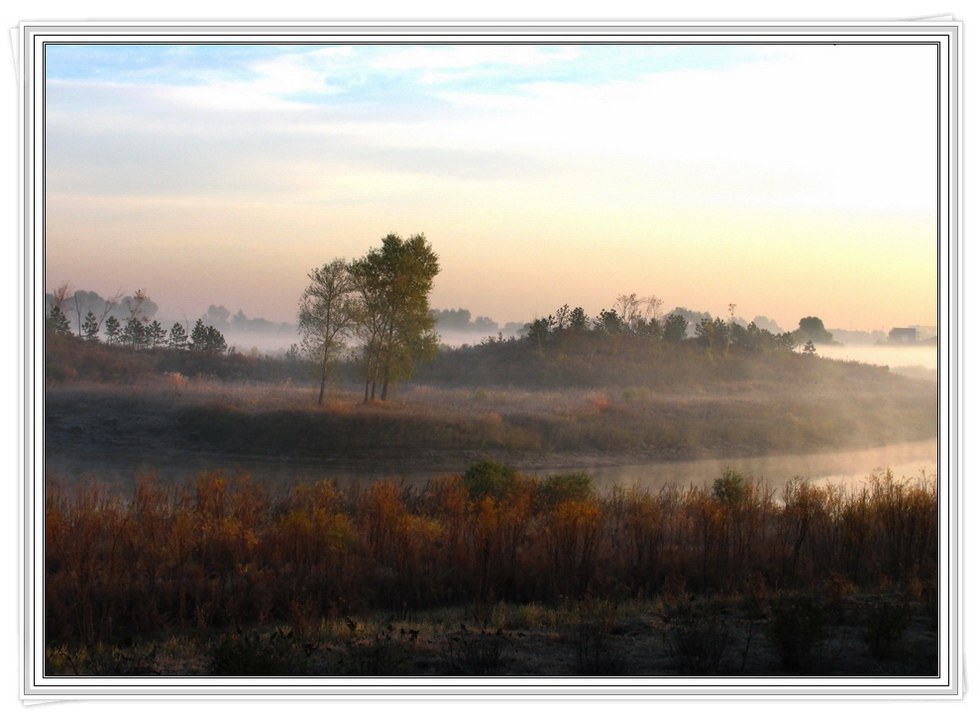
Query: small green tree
<point>675,328</point>
<point>134,333</point>
<point>178,337</point>
<point>198,336</point>
<point>611,322</point>
<point>565,487</point>
<point>90,327</point>
<point>207,339</point>
<point>730,488</point>
<point>488,478</point>
<point>113,330</point>
<point>57,322</point>
<point>578,320</point>
<point>155,335</point>
<point>812,329</point>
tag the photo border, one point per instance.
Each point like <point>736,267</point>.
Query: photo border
<point>944,34</point>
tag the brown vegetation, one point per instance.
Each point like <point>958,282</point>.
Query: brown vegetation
<point>237,573</point>
<point>446,427</point>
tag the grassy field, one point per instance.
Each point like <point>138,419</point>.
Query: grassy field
<point>449,426</point>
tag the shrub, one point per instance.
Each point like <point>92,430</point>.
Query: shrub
<point>488,478</point>
<point>730,488</point>
<point>565,487</point>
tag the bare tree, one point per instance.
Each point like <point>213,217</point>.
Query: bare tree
<point>633,309</point>
<point>59,296</point>
<point>107,307</point>
<point>327,315</point>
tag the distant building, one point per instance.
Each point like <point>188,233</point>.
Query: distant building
<point>903,335</point>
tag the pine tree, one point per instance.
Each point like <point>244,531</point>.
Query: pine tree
<point>154,335</point>
<point>198,336</point>
<point>113,330</point>
<point>57,322</point>
<point>134,334</point>
<point>207,339</point>
<point>90,327</point>
<point>178,337</point>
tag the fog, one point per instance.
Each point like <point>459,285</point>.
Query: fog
<point>892,356</point>
<point>850,468</point>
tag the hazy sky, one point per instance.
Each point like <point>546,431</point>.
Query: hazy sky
<point>790,180</point>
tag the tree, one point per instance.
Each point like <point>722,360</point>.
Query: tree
<point>675,328</point>
<point>134,333</point>
<point>712,333</point>
<point>611,322</point>
<point>393,283</point>
<point>812,329</point>
<point>59,296</point>
<point>154,334</point>
<point>57,322</point>
<point>328,312</point>
<point>637,312</point>
<point>140,306</point>
<point>113,330</point>
<point>90,327</point>
<point>178,337</point>
<point>205,338</point>
<point>578,321</point>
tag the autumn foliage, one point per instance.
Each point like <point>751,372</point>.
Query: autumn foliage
<point>222,551</point>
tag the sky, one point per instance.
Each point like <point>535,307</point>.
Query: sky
<point>789,180</point>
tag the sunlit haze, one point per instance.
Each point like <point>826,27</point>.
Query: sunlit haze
<point>788,180</point>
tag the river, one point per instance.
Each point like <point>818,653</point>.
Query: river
<point>852,467</point>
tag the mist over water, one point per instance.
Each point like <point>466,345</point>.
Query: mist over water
<point>850,468</point>
<point>883,355</point>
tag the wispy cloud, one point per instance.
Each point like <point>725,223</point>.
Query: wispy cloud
<point>523,141</point>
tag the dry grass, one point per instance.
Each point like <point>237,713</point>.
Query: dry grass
<point>260,419</point>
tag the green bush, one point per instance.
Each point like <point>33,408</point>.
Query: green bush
<point>488,478</point>
<point>566,487</point>
<point>730,488</point>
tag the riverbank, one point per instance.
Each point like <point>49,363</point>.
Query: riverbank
<point>444,430</point>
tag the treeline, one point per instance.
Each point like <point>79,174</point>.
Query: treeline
<point>131,321</point>
<point>136,329</point>
<point>638,318</point>
<point>632,345</point>
<point>70,358</point>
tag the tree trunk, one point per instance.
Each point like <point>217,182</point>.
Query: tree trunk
<point>323,374</point>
